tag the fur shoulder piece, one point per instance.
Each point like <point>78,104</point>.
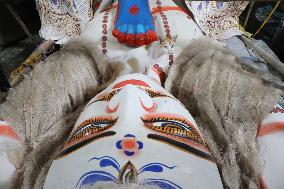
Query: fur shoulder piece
<point>43,108</point>
<point>229,102</point>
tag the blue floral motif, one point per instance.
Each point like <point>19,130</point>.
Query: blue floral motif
<point>107,161</point>
<point>93,177</point>
<point>129,151</point>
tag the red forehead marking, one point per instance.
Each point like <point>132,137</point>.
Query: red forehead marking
<point>131,81</point>
<point>129,143</point>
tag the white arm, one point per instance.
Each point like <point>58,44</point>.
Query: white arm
<point>10,155</point>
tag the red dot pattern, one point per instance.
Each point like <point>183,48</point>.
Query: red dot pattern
<point>104,31</point>
<point>166,26</point>
<point>160,72</point>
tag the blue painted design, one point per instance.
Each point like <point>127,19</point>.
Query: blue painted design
<point>154,167</point>
<point>143,16</point>
<point>129,135</point>
<point>128,153</point>
<point>162,183</point>
<point>107,161</point>
<point>118,144</point>
<point>122,28</point>
<point>140,145</point>
<point>92,177</point>
<point>131,29</point>
<point>141,28</point>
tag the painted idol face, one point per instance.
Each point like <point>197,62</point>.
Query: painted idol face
<point>134,132</point>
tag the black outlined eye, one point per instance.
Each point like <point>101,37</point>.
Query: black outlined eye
<point>173,126</point>
<point>92,126</point>
<point>177,132</point>
<point>88,131</point>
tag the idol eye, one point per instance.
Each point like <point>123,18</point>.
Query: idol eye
<point>92,126</point>
<point>165,46</point>
<point>173,126</point>
<point>172,46</point>
<point>177,132</point>
<point>88,131</point>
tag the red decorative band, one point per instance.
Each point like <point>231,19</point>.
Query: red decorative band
<point>167,8</point>
<point>270,128</point>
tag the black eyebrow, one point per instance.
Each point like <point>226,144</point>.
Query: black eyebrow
<point>181,146</point>
<point>83,143</point>
<point>98,100</point>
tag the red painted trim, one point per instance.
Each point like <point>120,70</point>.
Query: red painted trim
<point>160,73</point>
<point>270,128</point>
<point>109,110</point>
<point>154,9</point>
<point>133,82</point>
<point>111,7</point>
<point>8,132</point>
<point>167,8</point>
<point>151,109</point>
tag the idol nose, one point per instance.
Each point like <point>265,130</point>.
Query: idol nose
<point>133,102</point>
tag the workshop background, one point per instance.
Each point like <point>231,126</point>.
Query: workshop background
<point>20,23</point>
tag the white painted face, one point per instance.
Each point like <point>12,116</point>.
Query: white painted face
<point>135,132</point>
